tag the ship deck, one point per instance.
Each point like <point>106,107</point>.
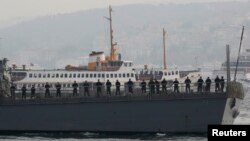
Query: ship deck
<point>137,95</point>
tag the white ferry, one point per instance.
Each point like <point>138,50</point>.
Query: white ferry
<point>243,70</point>
<point>100,67</point>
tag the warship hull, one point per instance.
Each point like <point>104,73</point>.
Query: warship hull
<point>162,113</point>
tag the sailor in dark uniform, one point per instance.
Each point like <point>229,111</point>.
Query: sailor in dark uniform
<point>117,87</point>
<point>108,87</point>
<point>143,86</point>
<point>208,84</point>
<point>33,91</point>
<point>12,91</point>
<point>157,85</point>
<point>187,82</point>
<point>98,88</point>
<point>86,88</point>
<point>222,83</point>
<point>24,92</point>
<point>176,85</point>
<point>130,86</point>
<point>164,85</point>
<point>200,84</point>
<point>75,86</point>
<point>217,83</point>
<point>151,85</point>
<point>58,89</point>
<point>47,92</point>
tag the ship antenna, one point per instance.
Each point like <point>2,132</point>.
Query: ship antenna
<point>112,44</point>
<point>239,53</point>
<point>164,49</point>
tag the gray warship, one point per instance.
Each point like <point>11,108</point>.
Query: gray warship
<point>137,112</point>
<point>130,111</point>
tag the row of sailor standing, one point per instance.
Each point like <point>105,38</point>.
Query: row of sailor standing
<point>219,84</point>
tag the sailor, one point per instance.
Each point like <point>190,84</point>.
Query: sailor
<point>75,86</point>
<point>217,83</point>
<point>33,91</point>
<point>130,86</point>
<point>58,89</point>
<point>222,83</point>
<point>117,87</point>
<point>164,85</point>
<point>108,87</point>
<point>98,88</point>
<point>143,86</point>
<point>151,85</point>
<point>157,84</point>
<point>24,92</point>
<point>176,85</point>
<point>208,84</point>
<point>47,92</point>
<point>187,82</point>
<point>86,88</point>
<point>200,83</point>
<point>12,91</point>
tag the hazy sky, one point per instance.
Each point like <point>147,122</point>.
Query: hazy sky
<point>13,11</point>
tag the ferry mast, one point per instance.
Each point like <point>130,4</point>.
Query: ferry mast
<point>164,50</point>
<point>112,44</point>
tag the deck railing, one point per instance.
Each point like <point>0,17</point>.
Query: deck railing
<point>124,91</point>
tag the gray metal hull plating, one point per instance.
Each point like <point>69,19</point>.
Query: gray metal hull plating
<point>175,113</point>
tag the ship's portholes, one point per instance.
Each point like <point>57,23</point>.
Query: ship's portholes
<point>232,103</point>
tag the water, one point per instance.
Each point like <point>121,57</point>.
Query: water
<point>243,118</point>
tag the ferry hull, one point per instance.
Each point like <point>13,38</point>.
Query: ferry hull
<point>174,113</point>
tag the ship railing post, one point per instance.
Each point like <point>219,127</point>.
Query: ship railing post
<point>228,63</point>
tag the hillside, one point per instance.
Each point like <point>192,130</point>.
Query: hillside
<point>198,30</point>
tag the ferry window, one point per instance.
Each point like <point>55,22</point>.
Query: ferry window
<point>35,75</point>
<point>127,74</point>
<point>53,76</point>
<point>83,75</point>
<point>169,73</point>
<point>124,75</point>
<point>166,73</point>
<point>39,75</point>
<point>111,75</point>
<point>91,75</point>
<point>65,75</point>
<point>103,75</point>
<point>68,85</point>
<point>29,85</point>
<point>74,75</point>
<point>57,75</point>
<point>107,75</point>
<point>78,75</point>
<point>132,75</point>
<point>172,72</point>
<point>48,75</point>
<point>176,72</point>
<point>99,75</point>
<point>30,75</point>
<point>44,75</point>
<point>64,85</point>
<point>94,75</point>
<point>120,75</point>
<point>70,75</point>
<point>151,72</point>
<point>61,75</point>
<point>87,75</point>
<point>115,75</point>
